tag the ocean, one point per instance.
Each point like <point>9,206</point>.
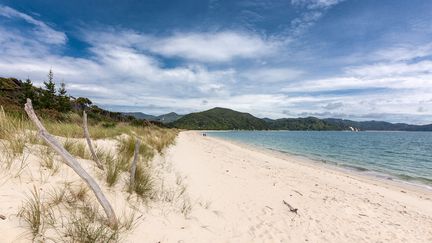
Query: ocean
<point>406,156</point>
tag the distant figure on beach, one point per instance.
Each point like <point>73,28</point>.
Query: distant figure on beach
<point>204,134</point>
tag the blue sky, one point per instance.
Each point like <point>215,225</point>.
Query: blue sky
<point>354,59</point>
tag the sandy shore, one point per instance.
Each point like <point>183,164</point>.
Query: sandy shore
<point>212,190</point>
<point>244,189</point>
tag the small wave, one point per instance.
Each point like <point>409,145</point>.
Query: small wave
<point>415,178</point>
<point>387,161</point>
<point>356,168</point>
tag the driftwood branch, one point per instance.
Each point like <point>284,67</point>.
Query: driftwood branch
<point>89,142</point>
<point>134,163</point>
<point>73,163</point>
<point>291,208</point>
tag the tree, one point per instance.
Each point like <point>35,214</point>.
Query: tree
<point>83,102</point>
<point>63,103</point>
<point>29,92</point>
<point>48,99</point>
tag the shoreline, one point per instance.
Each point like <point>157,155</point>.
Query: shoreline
<point>384,177</point>
<point>246,190</point>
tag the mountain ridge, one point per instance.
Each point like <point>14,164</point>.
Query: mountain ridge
<point>219,118</point>
<point>164,118</point>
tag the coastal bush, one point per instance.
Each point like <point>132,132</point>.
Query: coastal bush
<point>108,124</point>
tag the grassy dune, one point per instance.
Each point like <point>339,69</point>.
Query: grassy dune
<point>61,208</point>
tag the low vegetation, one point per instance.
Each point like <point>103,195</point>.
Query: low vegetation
<point>32,213</point>
<point>69,212</point>
<point>47,160</point>
<point>53,103</point>
<point>143,182</point>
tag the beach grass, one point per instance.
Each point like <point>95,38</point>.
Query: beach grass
<point>32,213</point>
<point>68,212</point>
<point>14,132</point>
<point>113,169</point>
<point>47,160</point>
<point>143,185</point>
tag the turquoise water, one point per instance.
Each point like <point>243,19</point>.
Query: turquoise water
<point>403,155</point>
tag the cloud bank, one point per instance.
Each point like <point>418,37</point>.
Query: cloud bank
<point>189,71</point>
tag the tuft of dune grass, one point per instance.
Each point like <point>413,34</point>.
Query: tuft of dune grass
<point>14,132</point>
<point>32,213</point>
<point>47,160</point>
<point>113,169</point>
<point>69,214</point>
<point>143,185</point>
<point>77,148</point>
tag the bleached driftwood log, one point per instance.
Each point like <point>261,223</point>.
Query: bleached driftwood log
<point>134,163</point>
<point>89,142</point>
<point>73,163</point>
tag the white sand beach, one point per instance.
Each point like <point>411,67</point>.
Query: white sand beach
<point>211,190</point>
<point>245,190</point>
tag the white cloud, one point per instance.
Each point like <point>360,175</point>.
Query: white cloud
<point>390,75</point>
<point>213,47</point>
<point>403,52</point>
<point>392,91</point>
<point>42,31</point>
<point>315,9</point>
<point>207,47</point>
<point>333,106</point>
<point>391,69</point>
<point>316,4</point>
<point>125,69</point>
<point>272,74</point>
<point>301,24</point>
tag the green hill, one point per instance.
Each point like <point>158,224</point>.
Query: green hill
<point>379,125</point>
<point>140,115</point>
<point>169,117</point>
<point>220,119</point>
<point>226,119</point>
<point>308,123</point>
<point>165,118</point>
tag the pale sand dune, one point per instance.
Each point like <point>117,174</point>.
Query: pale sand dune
<point>246,187</point>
